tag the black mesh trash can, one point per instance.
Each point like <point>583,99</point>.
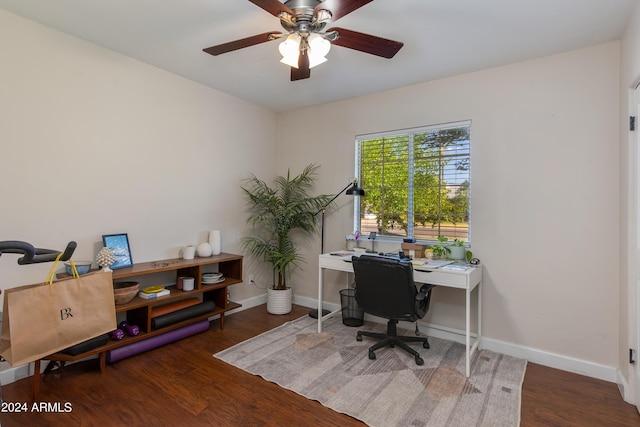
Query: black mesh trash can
<point>352,315</point>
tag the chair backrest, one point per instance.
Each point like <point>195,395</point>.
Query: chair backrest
<point>385,287</point>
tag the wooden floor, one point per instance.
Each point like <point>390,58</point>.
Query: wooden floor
<point>181,384</point>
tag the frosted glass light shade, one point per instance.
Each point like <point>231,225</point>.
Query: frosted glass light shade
<point>290,50</point>
<point>318,48</point>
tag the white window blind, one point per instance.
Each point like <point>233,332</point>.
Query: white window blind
<point>416,181</point>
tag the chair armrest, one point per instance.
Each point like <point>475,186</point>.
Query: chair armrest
<point>424,291</point>
<point>423,299</point>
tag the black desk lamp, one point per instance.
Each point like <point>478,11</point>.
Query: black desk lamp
<point>352,189</point>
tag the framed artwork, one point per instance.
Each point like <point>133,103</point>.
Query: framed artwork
<point>119,245</point>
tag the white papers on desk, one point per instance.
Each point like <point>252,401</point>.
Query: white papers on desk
<point>457,266</point>
<point>342,253</point>
<point>437,263</point>
<point>418,262</point>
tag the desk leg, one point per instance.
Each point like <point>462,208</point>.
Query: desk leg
<point>468,333</point>
<point>320,286</point>
<point>479,315</point>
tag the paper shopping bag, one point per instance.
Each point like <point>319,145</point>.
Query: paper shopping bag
<point>41,319</point>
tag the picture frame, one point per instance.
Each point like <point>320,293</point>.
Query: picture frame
<point>119,245</point>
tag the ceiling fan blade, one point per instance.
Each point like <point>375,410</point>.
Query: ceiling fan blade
<point>241,43</point>
<point>296,74</point>
<point>303,71</point>
<point>274,7</point>
<point>366,43</point>
<point>340,8</point>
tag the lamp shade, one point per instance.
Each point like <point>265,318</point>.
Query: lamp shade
<point>354,190</point>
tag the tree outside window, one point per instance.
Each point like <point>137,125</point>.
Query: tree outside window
<point>416,181</point>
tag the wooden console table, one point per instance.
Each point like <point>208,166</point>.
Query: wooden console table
<point>139,311</point>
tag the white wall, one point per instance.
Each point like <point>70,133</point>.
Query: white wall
<point>545,197</point>
<point>93,142</point>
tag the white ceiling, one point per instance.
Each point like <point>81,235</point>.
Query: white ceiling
<point>441,38</point>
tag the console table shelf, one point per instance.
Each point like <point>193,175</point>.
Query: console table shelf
<point>139,310</point>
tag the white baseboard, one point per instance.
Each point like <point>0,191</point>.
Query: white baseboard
<point>312,303</point>
<point>250,303</point>
<point>624,387</point>
<point>545,358</point>
<point>9,374</point>
<point>552,360</point>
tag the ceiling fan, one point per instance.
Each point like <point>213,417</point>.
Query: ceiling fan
<point>306,41</point>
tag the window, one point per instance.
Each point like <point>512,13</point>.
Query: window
<point>416,182</point>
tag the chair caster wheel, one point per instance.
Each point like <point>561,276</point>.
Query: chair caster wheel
<point>419,361</point>
<point>372,355</point>
<point>358,337</point>
<point>426,344</point>
<point>392,345</point>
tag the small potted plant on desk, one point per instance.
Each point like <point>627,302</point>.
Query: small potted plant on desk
<point>457,250</point>
<point>454,250</point>
<point>440,250</point>
<point>276,213</point>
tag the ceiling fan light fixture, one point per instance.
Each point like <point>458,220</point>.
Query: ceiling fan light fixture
<point>318,48</point>
<point>290,50</point>
<point>313,60</point>
<point>306,42</point>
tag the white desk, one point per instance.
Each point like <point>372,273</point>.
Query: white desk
<point>467,280</point>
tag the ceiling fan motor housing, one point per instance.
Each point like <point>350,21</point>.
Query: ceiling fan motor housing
<point>302,6</point>
<point>305,20</point>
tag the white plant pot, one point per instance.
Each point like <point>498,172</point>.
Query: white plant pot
<point>457,252</point>
<point>279,301</point>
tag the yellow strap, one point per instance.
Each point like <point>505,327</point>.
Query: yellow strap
<point>52,271</point>
<point>74,270</point>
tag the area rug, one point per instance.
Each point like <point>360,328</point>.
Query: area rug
<point>334,369</point>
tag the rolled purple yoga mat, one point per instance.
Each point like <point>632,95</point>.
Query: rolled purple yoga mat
<point>156,341</point>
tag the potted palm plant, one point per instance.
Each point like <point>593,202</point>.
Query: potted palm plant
<point>277,213</point>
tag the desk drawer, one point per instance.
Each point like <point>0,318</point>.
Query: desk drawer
<point>336,263</point>
<point>443,278</point>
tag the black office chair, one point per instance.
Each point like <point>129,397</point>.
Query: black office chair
<point>385,288</point>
